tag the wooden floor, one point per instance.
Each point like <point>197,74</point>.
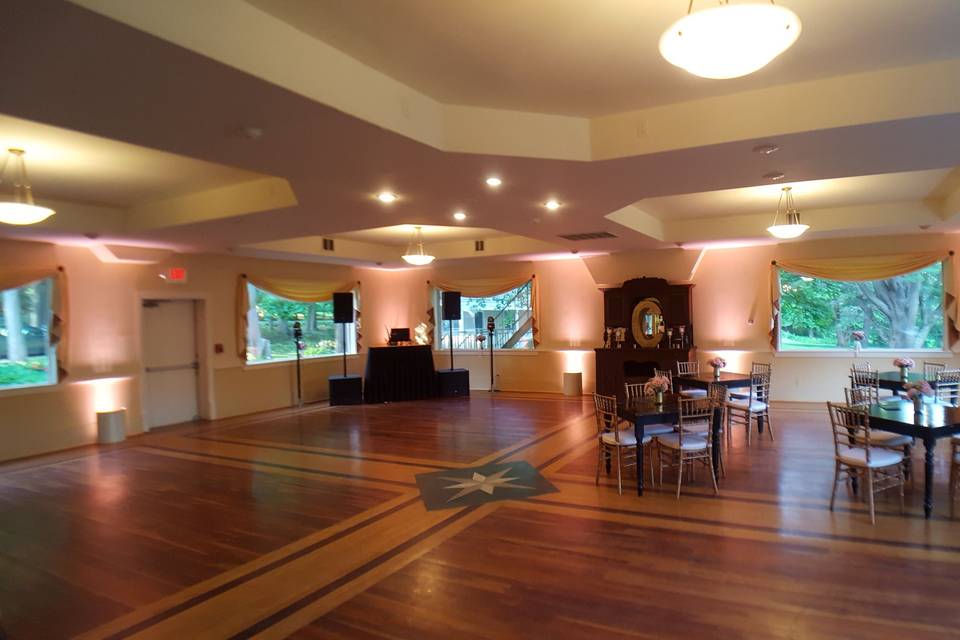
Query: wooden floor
<point>309,524</point>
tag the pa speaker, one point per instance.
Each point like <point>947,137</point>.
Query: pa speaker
<point>451,305</point>
<point>343,308</point>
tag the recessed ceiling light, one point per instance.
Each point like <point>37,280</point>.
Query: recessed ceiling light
<point>494,181</point>
<point>766,149</point>
<point>552,204</point>
<point>386,197</point>
<point>459,215</point>
<point>774,176</point>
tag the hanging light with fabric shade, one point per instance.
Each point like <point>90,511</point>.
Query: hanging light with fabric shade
<point>17,207</point>
<point>792,228</point>
<point>731,40</point>
<point>415,253</point>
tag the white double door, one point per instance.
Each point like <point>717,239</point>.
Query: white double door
<point>170,362</point>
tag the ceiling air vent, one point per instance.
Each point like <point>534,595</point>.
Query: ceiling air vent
<point>328,244</point>
<point>595,235</point>
<point>478,245</point>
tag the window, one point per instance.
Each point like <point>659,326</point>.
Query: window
<point>270,328</point>
<point>512,314</point>
<point>26,356</point>
<point>905,312</point>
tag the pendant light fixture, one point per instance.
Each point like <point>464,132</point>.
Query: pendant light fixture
<point>793,228</point>
<point>415,254</point>
<point>730,40</point>
<point>18,207</point>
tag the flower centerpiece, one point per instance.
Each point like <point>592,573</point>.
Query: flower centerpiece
<point>858,337</point>
<point>657,385</point>
<point>717,363</point>
<point>904,364</point>
<point>916,391</point>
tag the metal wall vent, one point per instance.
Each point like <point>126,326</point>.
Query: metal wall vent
<point>328,244</point>
<point>595,235</point>
<point>478,245</point>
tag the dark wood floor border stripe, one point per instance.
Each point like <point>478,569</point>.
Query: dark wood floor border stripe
<point>567,451</point>
<point>749,527</point>
<point>795,504</point>
<point>277,465</point>
<point>256,573</point>
<point>315,595</point>
<point>314,452</point>
<point>537,441</point>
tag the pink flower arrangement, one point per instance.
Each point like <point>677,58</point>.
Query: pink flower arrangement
<point>657,383</point>
<point>904,362</point>
<point>858,336</point>
<point>917,389</point>
<point>718,363</point>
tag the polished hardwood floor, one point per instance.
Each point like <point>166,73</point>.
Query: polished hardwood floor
<point>309,524</point>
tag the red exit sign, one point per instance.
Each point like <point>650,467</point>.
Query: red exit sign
<point>175,275</point>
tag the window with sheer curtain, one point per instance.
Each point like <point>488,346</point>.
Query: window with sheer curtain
<point>905,312</point>
<point>513,316</point>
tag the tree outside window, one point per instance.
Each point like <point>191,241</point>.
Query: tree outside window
<point>26,356</point>
<point>512,313</point>
<point>270,328</point>
<point>905,312</point>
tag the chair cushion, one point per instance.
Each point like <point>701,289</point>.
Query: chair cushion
<point>889,439</point>
<point>690,442</point>
<point>755,406</point>
<point>856,457</point>
<point>693,393</point>
<point>627,439</point>
<point>658,429</point>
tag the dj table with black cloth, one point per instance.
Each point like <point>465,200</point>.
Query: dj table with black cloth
<point>399,373</point>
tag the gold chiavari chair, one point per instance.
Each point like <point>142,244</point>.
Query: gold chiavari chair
<point>954,472</point>
<point>930,370</point>
<point>863,397</point>
<point>636,390</point>
<point>881,469</point>
<point>756,368</point>
<point>620,444</point>
<point>755,406</point>
<point>685,447</point>
<point>690,369</point>
<point>947,386</point>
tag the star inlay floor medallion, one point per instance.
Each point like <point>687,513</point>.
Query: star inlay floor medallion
<point>464,487</point>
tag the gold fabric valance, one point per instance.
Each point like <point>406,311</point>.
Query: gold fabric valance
<point>486,287</point>
<point>291,289</point>
<point>860,269</point>
<point>13,277</point>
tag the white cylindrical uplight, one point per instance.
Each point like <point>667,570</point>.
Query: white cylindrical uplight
<point>730,41</point>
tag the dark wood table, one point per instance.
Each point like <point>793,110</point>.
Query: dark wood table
<point>644,411</point>
<point>728,379</point>
<point>937,421</point>
<point>891,380</point>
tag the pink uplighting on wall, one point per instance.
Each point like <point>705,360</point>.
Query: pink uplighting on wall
<point>573,361</point>
<point>106,393</point>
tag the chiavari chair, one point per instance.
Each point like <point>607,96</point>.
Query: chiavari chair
<point>620,444</point>
<point>947,386</point>
<point>854,457</point>
<point>634,390</point>
<point>756,368</point>
<point>861,375</point>
<point>756,406</point>
<point>686,449</point>
<point>930,370</point>
<point>690,369</point>
<point>863,397</point>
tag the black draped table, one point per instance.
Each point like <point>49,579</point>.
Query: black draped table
<point>399,373</point>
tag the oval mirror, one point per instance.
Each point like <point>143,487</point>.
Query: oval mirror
<point>647,323</point>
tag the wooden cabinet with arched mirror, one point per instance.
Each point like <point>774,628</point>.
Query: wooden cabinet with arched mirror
<point>651,310</point>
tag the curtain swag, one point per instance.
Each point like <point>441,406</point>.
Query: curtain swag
<point>291,289</point>
<point>11,278</point>
<point>486,287</point>
<point>868,268</point>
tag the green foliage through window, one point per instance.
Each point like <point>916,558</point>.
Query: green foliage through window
<point>905,312</point>
<point>270,328</point>
<point>512,315</point>
<point>26,356</point>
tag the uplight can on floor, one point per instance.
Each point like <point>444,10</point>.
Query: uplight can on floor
<point>111,426</point>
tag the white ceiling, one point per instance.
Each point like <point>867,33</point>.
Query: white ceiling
<point>814,194</point>
<point>69,165</point>
<point>592,58</point>
<point>399,235</point>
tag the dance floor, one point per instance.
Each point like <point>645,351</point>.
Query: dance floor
<point>311,524</point>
